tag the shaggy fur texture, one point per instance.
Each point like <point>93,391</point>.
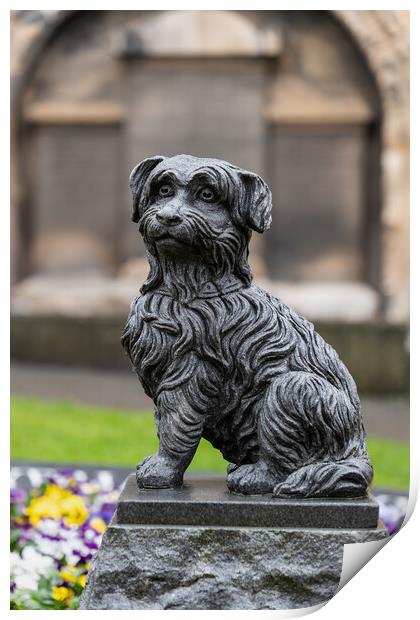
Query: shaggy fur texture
<point>223,359</point>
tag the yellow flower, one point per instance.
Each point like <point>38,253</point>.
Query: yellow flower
<point>54,490</point>
<point>82,580</point>
<point>70,574</point>
<point>98,524</point>
<point>63,594</point>
<point>56,503</point>
<point>41,508</point>
<point>74,510</point>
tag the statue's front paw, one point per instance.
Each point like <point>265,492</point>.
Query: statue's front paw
<point>157,472</point>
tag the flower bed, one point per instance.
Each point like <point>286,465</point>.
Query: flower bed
<point>56,528</point>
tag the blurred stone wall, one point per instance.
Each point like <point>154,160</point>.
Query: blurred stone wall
<point>317,102</point>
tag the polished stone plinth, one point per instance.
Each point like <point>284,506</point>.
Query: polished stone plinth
<point>200,547</point>
<point>208,502</point>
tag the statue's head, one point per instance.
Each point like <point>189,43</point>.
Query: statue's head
<point>188,206</point>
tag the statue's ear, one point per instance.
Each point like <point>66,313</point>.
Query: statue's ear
<point>255,202</point>
<point>138,178</point>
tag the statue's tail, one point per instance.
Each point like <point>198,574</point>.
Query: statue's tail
<point>346,478</point>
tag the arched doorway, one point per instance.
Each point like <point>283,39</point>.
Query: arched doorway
<point>285,93</point>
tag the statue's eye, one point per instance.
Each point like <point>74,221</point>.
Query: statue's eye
<point>207,194</point>
<point>165,190</point>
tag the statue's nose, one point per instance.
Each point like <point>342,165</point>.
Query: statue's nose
<point>168,215</point>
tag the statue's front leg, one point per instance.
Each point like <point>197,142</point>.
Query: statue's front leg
<point>179,431</point>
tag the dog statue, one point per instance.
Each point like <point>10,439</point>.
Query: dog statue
<point>225,360</point>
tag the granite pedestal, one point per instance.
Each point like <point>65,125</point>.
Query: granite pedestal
<point>200,547</point>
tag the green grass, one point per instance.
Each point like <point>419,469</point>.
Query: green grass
<point>64,432</point>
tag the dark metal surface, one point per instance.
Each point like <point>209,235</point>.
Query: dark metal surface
<point>223,359</point>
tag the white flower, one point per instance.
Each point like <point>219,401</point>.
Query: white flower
<point>401,503</point>
<point>68,549</point>
<point>89,488</point>
<point>80,475</point>
<point>60,480</point>
<point>27,569</point>
<point>51,548</point>
<point>26,581</point>
<point>106,480</point>
<point>35,561</point>
<point>15,561</point>
<point>389,514</point>
<point>72,559</point>
<point>49,527</point>
<point>34,476</point>
<point>68,533</point>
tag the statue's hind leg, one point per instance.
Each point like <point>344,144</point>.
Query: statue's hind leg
<point>302,419</point>
<point>260,476</point>
<point>251,478</point>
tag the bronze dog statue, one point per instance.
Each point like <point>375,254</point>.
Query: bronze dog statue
<point>225,360</point>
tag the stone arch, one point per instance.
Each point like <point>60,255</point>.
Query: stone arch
<point>381,36</point>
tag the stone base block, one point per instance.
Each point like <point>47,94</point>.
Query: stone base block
<point>190,566</point>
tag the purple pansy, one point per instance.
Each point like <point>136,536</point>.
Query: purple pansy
<point>17,496</point>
